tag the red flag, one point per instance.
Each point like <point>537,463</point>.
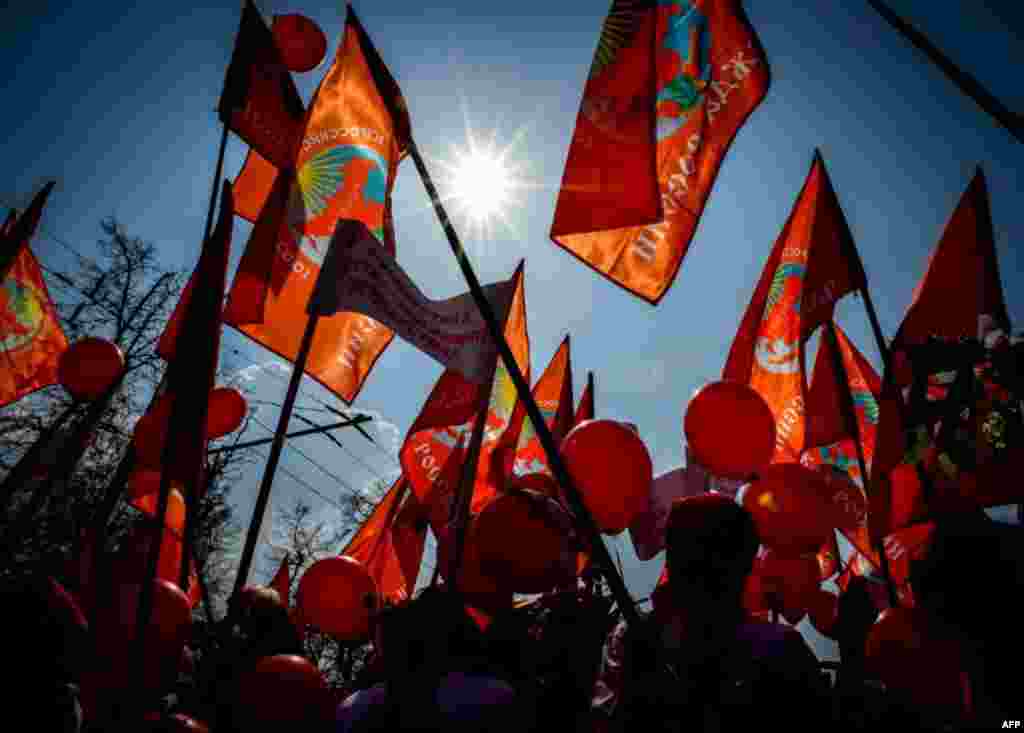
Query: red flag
<point>670,86</point>
<point>826,425</point>
<point>282,581</point>
<point>31,338</point>
<point>452,407</point>
<point>585,408</point>
<point>961,285</point>
<point>553,395</point>
<point>390,543</point>
<point>813,264</point>
<point>18,232</point>
<point>253,185</point>
<point>356,132</point>
<point>260,101</point>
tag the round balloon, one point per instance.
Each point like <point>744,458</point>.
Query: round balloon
<point>280,690</point>
<point>301,42</point>
<point>539,529</point>
<point>337,596</point>
<point>796,579</point>
<point>790,508</point>
<point>227,410</point>
<point>90,367</point>
<point>730,429</point>
<point>612,470</point>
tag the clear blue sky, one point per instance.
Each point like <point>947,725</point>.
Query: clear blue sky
<point>116,101</point>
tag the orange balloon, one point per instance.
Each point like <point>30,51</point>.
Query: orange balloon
<point>301,42</point>
<point>89,368</point>
<point>524,543</point>
<point>903,651</point>
<point>790,508</point>
<point>730,429</point>
<point>281,690</point>
<point>333,596</point>
<point>612,470</point>
<point>226,411</point>
<point>824,612</point>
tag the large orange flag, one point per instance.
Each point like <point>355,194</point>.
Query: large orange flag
<point>390,543</point>
<point>454,404</point>
<point>356,132</point>
<point>813,264</point>
<point>553,394</point>
<point>31,337</point>
<point>670,86</point>
<point>964,265</point>
<point>827,432</point>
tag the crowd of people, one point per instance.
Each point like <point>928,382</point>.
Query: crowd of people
<point>571,661</point>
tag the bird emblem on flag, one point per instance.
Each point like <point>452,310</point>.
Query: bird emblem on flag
<point>684,70</point>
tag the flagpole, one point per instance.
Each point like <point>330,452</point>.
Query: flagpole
<point>850,418</point>
<point>581,515</point>
<point>967,84</point>
<point>276,446</point>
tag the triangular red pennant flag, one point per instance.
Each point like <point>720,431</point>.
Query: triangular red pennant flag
<point>813,264</point>
<point>669,88</point>
<point>553,395</point>
<point>281,581</point>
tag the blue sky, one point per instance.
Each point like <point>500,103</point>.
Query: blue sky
<point>116,101</point>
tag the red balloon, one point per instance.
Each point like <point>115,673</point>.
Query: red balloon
<point>89,368</point>
<point>280,690</point>
<point>333,596</point>
<point>301,42</point>
<point>730,429</point>
<point>259,599</point>
<point>542,483</point>
<point>226,412</point>
<point>793,579</point>
<point>824,612</point>
<point>903,651</point>
<point>524,543</point>
<point>612,470</point>
<point>790,508</point>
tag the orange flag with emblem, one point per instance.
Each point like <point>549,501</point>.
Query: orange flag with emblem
<point>452,408</point>
<point>670,86</point>
<point>31,338</point>
<point>813,264</point>
<point>553,395</point>
<point>390,542</point>
<point>356,133</point>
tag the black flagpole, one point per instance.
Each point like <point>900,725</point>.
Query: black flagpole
<point>967,84</point>
<point>581,514</point>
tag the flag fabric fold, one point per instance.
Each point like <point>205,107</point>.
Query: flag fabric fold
<point>812,265</point>
<point>355,134</point>
<point>31,337</point>
<point>260,101</point>
<point>553,395</point>
<point>453,406</point>
<point>670,86</point>
<point>361,276</point>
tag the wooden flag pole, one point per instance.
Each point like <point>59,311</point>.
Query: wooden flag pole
<point>967,84</point>
<point>276,446</point>
<point>583,518</point>
<point>850,418</point>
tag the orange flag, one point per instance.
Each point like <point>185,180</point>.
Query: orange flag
<point>260,101</point>
<point>390,542</point>
<point>356,132</point>
<point>253,186</point>
<point>813,264</point>
<point>963,264</point>
<point>553,394</point>
<point>31,338</point>
<point>827,432</point>
<point>452,407</point>
<point>670,86</point>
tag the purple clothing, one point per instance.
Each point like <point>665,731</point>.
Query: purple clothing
<point>462,699</point>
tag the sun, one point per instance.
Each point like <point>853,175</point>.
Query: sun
<point>480,183</point>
